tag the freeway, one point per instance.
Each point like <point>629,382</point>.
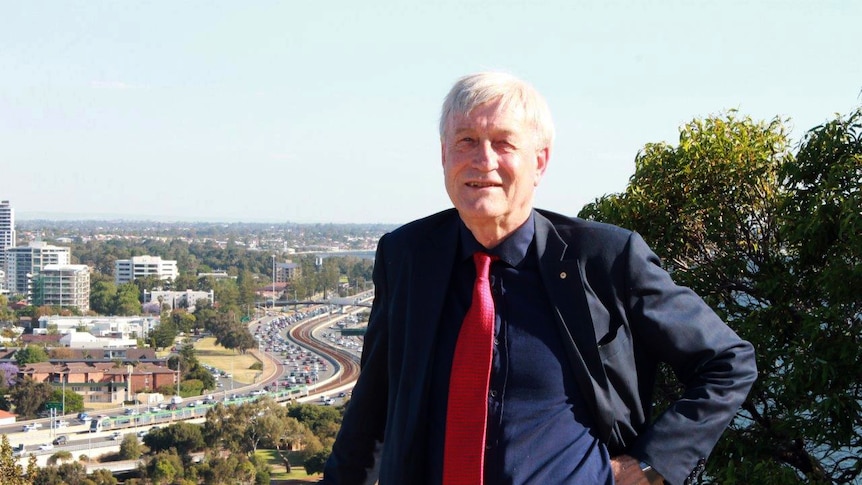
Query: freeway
<point>80,440</point>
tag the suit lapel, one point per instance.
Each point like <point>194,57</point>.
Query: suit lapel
<point>563,277</point>
<point>435,258</point>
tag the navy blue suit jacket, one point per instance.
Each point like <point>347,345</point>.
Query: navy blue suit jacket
<point>618,313</point>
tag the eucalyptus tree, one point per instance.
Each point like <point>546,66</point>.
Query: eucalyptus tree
<point>773,242</point>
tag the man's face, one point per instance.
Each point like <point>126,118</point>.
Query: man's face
<point>492,165</point>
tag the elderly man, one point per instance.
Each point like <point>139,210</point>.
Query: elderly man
<point>512,345</point>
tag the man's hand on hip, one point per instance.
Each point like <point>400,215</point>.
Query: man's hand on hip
<point>627,471</point>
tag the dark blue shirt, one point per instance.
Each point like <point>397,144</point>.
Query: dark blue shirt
<point>539,429</point>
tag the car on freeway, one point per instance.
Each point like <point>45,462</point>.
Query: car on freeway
<point>32,426</point>
<point>115,436</point>
<point>60,440</point>
<point>18,449</point>
<point>46,447</point>
<point>61,423</point>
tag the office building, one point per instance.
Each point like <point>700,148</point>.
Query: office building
<point>65,285</point>
<point>7,230</point>
<point>126,270</point>
<point>24,263</point>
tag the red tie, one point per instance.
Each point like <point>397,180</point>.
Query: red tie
<point>467,412</point>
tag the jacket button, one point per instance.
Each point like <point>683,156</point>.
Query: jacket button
<point>563,275</point>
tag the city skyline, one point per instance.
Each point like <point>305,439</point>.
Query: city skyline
<point>277,112</point>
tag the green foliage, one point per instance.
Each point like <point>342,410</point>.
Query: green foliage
<point>773,243</point>
<point>103,477</point>
<point>164,335</point>
<point>256,366</point>
<point>164,467</point>
<point>195,377</point>
<point>30,355</point>
<point>74,402</point>
<point>323,421</point>
<point>102,294</point>
<point>130,448</point>
<point>314,463</point>
<point>185,437</point>
<point>230,332</point>
<point>11,472</point>
<point>191,387</point>
<point>127,300</point>
<point>59,456</point>
<point>29,397</point>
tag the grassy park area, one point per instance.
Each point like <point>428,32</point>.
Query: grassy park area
<point>297,472</point>
<point>227,360</point>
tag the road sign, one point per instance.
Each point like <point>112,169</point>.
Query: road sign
<point>53,405</point>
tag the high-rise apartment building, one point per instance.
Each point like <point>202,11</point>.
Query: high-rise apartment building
<point>66,285</point>
<point>288,271</point>
<point>126,270</point>
<point>7,230</point>
<point>23,263</point>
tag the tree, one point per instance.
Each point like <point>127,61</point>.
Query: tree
<point>31,354</point>
<point>323,421</point>
<point>130,448</point>
<point>103,477</point>
<point>164,334</point>
<point>6,313</point>
<point>772,242</point>
<point>74,402</point>
<point>29,396</point>
<point>314,463</point>
<point>184,437</point>
<point>127,300</point>
<point>11,472</point>
<point>8,374</point>
<point>164,467</point>
<point>102,295</point>
<point>60,456</point>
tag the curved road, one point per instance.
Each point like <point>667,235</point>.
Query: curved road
<point>346,362</point>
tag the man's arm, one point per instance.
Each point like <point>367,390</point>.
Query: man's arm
<point>715,366</point>
<point>356,452</point>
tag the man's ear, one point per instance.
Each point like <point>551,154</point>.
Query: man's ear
<point>542,158</point>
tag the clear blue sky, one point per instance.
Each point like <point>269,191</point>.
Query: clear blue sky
<point>327,111</point>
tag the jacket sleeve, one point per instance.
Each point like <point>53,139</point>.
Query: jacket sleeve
<point>356,452</point>
<point>714,365</point>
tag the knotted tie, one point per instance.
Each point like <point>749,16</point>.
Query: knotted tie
<point>467,412</point>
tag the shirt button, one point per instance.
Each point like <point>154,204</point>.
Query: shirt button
<point>493,393</point>
<point>496,341</point>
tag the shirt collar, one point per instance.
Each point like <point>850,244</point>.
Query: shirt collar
<point>511,250</point>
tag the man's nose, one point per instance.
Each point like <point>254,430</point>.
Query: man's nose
<point>486,157</point>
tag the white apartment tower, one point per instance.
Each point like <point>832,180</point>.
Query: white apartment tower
<point>126,270</point>
<point>65,285</point>
<point>23,263</point>
<point>7,230</point>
